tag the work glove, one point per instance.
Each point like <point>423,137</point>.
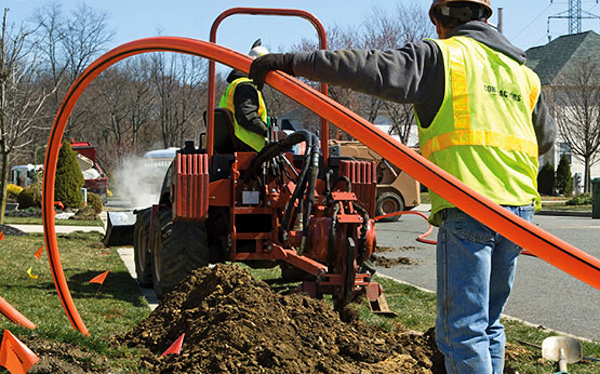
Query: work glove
<point>264,64</point>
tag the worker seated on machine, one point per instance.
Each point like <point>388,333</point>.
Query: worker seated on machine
<point>243,99</point>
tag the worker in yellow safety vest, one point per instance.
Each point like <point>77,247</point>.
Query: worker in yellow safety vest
<point>482,117</point>
<point>246,103</point>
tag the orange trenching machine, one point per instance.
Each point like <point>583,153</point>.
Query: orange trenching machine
<point>311,213</point>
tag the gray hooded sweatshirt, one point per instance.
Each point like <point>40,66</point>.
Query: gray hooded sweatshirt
<point>413,74</point>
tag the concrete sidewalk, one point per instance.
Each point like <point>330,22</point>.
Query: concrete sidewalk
<point>60,229</point>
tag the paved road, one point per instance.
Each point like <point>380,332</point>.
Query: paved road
<point>543,295</point>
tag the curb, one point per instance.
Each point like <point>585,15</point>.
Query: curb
<point>563,213</point>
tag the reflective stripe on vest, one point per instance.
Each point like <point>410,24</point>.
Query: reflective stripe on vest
<point>461,108</point>
<point>254,140</point>
<point>483,132</point>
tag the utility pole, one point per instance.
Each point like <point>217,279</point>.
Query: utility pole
<point>575,15</point>
<point>501,20</point>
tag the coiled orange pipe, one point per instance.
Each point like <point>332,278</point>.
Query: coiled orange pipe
<point>546,246</point>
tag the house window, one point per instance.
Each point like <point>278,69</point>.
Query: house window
<point>564,149</point>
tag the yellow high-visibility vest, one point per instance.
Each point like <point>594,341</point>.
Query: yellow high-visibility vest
<point>254,140</point>
<point>483,133</point>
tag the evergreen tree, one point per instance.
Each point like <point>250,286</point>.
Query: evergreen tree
<point>69,179</point>
<point>564,179</point>
<point>546,180</point>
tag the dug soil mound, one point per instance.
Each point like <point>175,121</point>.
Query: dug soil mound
<point>236,324</point>
<point>55,357</point>
<point>386,262</point>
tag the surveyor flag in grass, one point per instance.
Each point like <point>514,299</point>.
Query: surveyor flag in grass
<point>99,278</point>
<point>175,348</point>
<point>16,356</point>
<point>38,254</point>
<point>30,273</point>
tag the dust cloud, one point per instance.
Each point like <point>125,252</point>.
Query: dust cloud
<point>139,181</point>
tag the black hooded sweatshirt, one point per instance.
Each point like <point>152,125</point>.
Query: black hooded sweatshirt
<point>245,102</point>
<point>413,74</point>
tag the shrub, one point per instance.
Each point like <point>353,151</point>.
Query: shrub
<point>12,191</point>
<point>95,202</point>
<point>69,179</point>
<point>30,197</point>
<point>564,179</point>
<point>546,180</point>
<point>581,199</point>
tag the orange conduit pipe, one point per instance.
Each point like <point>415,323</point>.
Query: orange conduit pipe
<point>546,246</point>
<point>11,313</point>
<point>420,238</point>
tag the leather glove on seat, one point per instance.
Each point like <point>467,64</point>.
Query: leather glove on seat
<point>264,64</point>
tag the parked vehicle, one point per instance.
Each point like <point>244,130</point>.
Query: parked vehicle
<point>396,190</point>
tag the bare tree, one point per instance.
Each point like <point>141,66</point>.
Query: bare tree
<point>385,30</point>
<point>112,92</point>
<point>68,44</point>
<point>576,99</point>
<point>21,98</point>
<point>177,81</point>
<point>382,29</point>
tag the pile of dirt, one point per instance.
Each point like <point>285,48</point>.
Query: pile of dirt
<point>387,262</point>
<point>394,249</point>
<point>63,357</point>
<point>236,324</point>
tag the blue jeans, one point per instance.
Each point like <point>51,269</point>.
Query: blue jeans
<point>475,273</point>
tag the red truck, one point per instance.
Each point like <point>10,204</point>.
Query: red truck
<point>96,180</point>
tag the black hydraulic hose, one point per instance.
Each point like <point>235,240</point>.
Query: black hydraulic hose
<point>345,179</point>
<point>272,150</point>
<point>301,182</point>
<point>312,182</point>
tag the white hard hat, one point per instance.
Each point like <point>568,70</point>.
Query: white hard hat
<point>258,49</point>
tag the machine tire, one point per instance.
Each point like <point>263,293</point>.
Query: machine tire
<point>388,202</point>
<point>141,255</point>
<point>178,249</point>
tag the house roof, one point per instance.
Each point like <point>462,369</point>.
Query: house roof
<point>549,60</point>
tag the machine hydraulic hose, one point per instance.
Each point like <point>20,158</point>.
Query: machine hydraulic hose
<point>546,246</point>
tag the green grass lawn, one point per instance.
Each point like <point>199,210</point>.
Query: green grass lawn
<point>114,307</point>
<point>38,221</point>
<point>551,203</point>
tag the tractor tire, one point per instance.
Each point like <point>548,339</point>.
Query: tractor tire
<point>141,254</point>
<point>178,249</point>
<point>389,202</point>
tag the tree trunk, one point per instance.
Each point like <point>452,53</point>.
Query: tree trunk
<point>587,176</point>
<point>3,177</point>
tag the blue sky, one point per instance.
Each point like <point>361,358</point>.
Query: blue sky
<point>525,22</point>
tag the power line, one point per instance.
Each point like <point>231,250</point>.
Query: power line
<point>575,14</point>
<point>531,22</point>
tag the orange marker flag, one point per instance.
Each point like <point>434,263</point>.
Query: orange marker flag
<point>16,356</point>
<point>99,278</point>
<point>175,348</point>
<point>1,235</point>
<point>38,254</point>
